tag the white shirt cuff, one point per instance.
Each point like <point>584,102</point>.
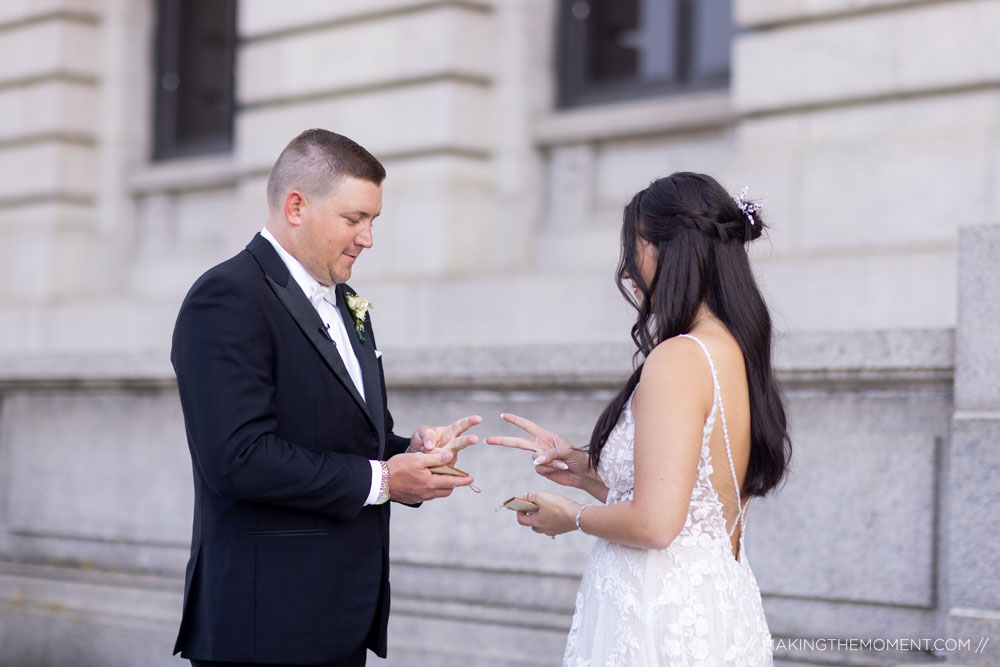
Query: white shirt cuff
<point>376,481</point>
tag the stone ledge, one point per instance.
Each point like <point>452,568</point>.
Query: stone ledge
<point>879,357</point>
<point>17,15</point>
<point>754,14</point>
<point>681,113</point>
<point>887,358</point>
<point>801,617</point>
<point>90,576</point>
<point>471,612</point>
<point>871,356</point>
<point>545,595</point>
<point>185,175</point>
<point>261,20</point>
<point>39,371</point>
<point>104,597</point>
<point>516,365</point>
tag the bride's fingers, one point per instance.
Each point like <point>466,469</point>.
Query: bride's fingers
<point>516,443</point>
<point>551,466</point>
<point>546,470</point>
<point>526,519</point>
<point>546,455</point>
<point>528,425</point>
<point>553,455</point>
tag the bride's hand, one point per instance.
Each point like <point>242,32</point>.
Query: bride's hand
<point>556,514</point>
<point>554,456</point>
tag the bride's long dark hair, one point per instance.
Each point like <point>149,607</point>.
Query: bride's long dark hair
<point>700,234</point>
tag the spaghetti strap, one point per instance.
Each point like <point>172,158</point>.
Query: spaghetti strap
<point>717,400</point>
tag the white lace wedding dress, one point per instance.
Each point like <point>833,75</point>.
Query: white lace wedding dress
<point>690,604</point>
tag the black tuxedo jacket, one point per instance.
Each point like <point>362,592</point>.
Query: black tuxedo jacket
<point>286,565</point>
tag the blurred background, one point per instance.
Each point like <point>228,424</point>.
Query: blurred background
<point>135,141</point>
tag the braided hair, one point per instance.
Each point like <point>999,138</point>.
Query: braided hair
<point>700,233</point>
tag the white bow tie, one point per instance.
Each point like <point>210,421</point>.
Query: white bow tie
<point>320,292</point>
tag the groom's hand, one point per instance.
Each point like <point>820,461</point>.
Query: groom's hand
<point>411,482</point>
<point>428,439</point>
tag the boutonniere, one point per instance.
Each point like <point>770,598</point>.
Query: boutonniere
<point>359,310</point>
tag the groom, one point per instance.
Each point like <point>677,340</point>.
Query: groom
<point>291,441</point>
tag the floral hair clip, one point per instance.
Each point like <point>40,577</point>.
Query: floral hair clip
<point>746,206</point>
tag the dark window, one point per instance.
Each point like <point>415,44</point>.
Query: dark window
<point>195,46</point>
<point>617,49</point>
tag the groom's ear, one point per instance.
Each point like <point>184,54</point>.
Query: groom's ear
<point>295,202</point>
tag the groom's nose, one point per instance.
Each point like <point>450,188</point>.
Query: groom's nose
<point>364,237</point>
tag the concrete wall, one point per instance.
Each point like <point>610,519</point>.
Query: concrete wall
<point>869,130</point>
<point>850,547</point>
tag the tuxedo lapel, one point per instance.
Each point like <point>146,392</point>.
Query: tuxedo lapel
<point>308,320</point>
<point>370,376</point>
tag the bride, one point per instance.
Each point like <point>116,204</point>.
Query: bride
<point>696,431</point>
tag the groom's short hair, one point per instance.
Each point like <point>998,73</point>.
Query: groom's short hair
<point>315,162</point>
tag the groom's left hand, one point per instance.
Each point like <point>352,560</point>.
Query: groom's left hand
<point>427,439</point>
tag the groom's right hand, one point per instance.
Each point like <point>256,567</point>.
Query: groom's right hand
<point>411,482</point>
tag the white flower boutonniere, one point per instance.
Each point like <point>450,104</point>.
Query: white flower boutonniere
<point>359,309</point>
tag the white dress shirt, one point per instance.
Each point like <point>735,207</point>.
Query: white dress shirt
<point>324,299</point>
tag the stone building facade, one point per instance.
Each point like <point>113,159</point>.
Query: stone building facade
<point>868,129</point>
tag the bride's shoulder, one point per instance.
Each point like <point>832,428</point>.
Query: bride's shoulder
<point>675,374</point>
<point>675,356</point>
